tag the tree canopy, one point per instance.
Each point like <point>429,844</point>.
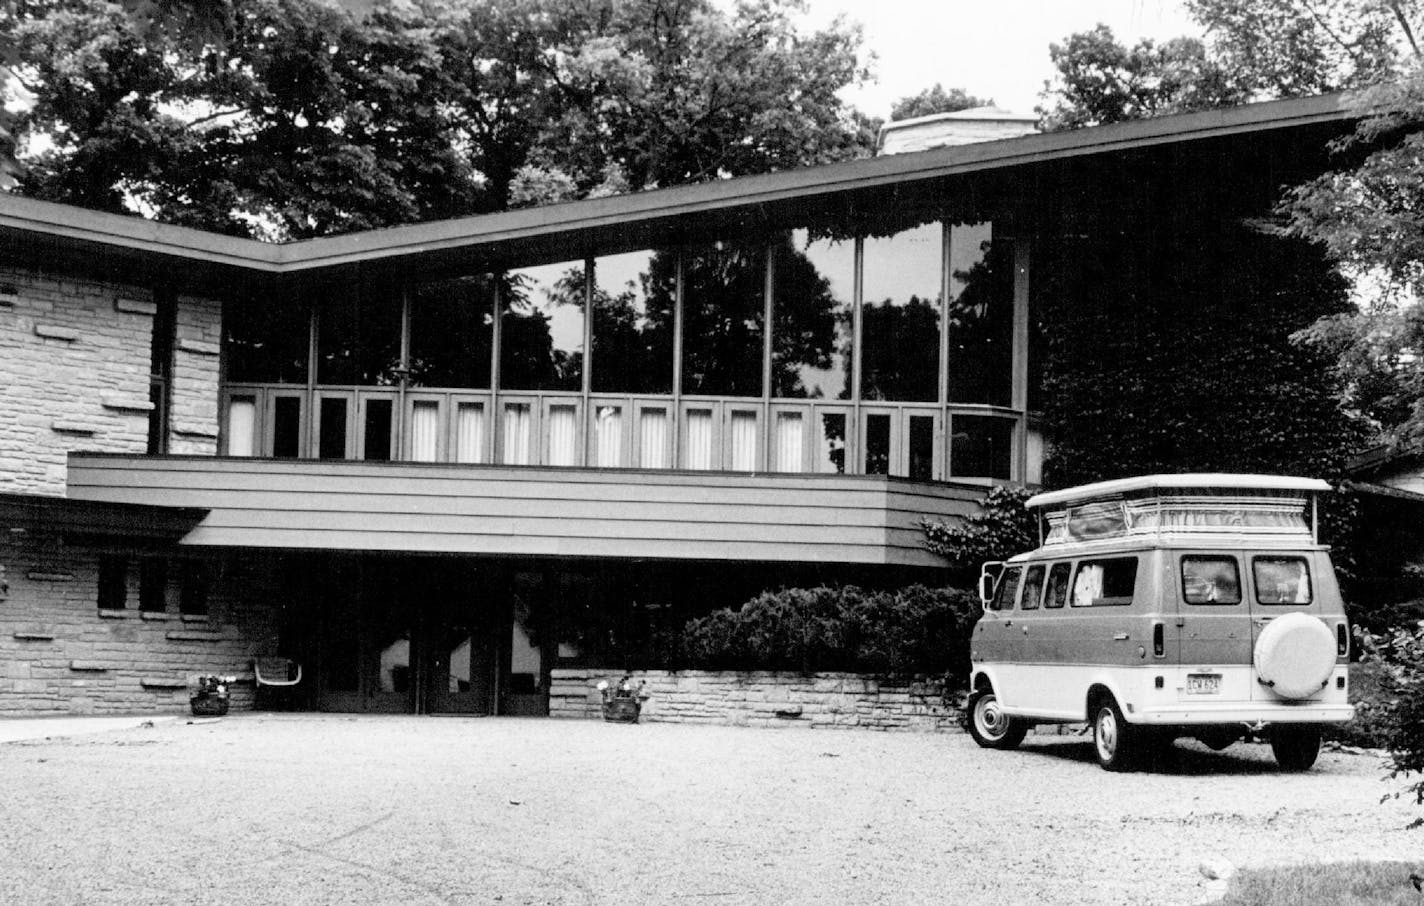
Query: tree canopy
<point>293,118</point>
<point>936,100</point>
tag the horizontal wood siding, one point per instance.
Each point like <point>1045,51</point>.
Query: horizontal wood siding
<point>531,511</point>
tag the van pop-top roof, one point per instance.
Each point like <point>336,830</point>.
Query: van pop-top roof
<point>1196,505</point>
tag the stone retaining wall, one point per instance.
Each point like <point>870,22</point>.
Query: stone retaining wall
<point>765,699</point>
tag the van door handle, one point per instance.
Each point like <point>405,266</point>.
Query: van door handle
<point>1120,636</point>
<point>1008,622</point>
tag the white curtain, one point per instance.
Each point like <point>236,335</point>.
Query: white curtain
<point>744,441</point>
<point>242,426</point>
<point>563,436</point>
<point>653,438</point>
<point>424,430</point>
<point>697,440</point>
<point>470,432</point>
<point>790,442</point>
<point>517,425</point>
<point>609,427</point>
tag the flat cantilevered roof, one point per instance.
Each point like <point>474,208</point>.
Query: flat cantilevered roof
<point>1219,481</point>
<point>28,224</point>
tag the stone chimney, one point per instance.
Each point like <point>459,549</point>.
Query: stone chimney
<point>963,127</point>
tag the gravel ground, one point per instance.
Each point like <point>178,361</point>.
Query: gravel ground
<point>296,809</point>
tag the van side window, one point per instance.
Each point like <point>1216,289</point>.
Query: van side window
<point>1210,580</point>
<point>1008,589</point>
<point>1105,583</point>
<point>1281,580</point>
<point>1033,588</point>
<point>1058,584</point>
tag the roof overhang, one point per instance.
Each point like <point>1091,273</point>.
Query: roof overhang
<point>132,245</point>
<point>124,524</point>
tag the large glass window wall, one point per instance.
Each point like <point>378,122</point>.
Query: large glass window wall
<point>793,352</point>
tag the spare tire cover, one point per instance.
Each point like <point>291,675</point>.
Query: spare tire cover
<point>1295,655</point>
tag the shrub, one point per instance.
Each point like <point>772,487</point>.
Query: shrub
<point>1400,711</point>
<point>913,630</point>
<point>1002,528</point>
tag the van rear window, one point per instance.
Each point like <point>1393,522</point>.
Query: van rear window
<point>1211,580</point>
<point>1281,580</point>
<point>1105,583</point>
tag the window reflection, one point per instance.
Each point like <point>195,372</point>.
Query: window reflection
<point>451,333</point>
<point>632,322</point>
<point>981,446</point>
<point>266,341</point>
<point>813,286</point>
<point>358,338</point>
<point>900,317</point>
<point>981,316</point>
<point>541,344</point>
<point>724,299</point>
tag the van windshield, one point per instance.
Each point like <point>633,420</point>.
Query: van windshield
<point>1008,589</point>
<point>1281,580</point>
<point>1210,580</point>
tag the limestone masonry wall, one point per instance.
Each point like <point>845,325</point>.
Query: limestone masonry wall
<point>74,355</point>
<point>193,422</point>
<point>763,699</point>
<point>75,358</point>
<point>61,654</point>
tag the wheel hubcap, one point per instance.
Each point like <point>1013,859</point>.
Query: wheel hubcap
<point>990,719</point>
<point>1107,734</point>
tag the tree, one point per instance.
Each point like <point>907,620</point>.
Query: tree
<point>936,100</point>
<point>1102,81</point>
<point>295,119</point>
<point>1366,216</point>
<point>1291,48</point>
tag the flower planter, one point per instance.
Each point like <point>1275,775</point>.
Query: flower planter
<point>209,705</point>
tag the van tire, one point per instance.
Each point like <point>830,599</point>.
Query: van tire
<point>990,727</point>
<point>1295,747</point>
<point>1116,743</point>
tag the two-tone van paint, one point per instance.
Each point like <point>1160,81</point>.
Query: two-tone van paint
<point>1166,606</point>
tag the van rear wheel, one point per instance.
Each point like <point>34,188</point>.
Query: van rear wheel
<point>990,726</point>
<point>1295,747</point>
<point>1115,741</point>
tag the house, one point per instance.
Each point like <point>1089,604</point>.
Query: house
<point>432,462</point>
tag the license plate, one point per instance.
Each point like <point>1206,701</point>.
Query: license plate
<point>1203,684</point>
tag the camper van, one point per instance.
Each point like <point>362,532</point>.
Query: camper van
<point>1166,606</point>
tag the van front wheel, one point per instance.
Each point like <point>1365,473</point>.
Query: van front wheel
<point>990,726</point>
<point>1295,748</point>
<point>1115,741</point>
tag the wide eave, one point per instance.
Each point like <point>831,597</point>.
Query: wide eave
<point>530,511</point>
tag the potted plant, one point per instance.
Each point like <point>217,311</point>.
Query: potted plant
<point>211,699</point>
<point>622,703</point>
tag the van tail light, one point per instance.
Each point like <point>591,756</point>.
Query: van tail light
<point>1159,645</point>
<point>1342,639</point>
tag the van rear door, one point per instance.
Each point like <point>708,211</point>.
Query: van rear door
<point>1213,625</point>
<point>1283,582</point>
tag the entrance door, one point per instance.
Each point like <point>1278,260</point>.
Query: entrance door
<point>460,644</point>
<point>407,635</point>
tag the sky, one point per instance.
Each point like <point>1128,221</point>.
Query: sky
<point>990,48</point>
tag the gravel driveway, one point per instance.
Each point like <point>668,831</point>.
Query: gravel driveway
<point>290,809</point>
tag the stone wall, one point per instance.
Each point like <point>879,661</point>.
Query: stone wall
<point>61,654</point>
<point>75,356</point>
<point>75,360</point>
<point>193,394</point>
<point>762,699</point>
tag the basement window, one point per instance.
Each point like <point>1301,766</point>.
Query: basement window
<point>113,583</point>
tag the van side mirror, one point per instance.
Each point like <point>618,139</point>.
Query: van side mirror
<point>988,577</point>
